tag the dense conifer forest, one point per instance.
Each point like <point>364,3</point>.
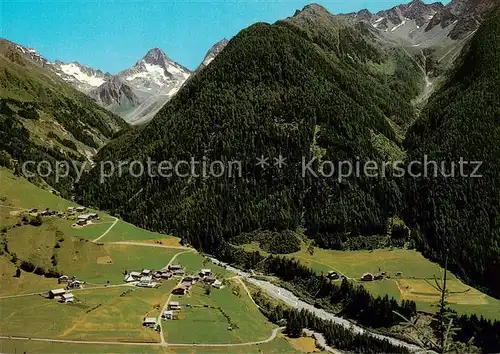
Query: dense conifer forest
<point>335,335</point>
<point>462,215</point>
<point>276,89</point>
<point>296,89</point>
<point>349,300</point>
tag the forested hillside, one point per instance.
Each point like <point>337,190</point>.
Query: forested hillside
<point>287,89</point>
<point>44,118</point>
<point>462,121</point>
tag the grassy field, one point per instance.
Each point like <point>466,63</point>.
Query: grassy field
<point>193,262</point>
<point>412,285</point>
<point>94,263</point>
<point>120,317</point>
<point>99,314</point>
<point>123,257</point>
<point>112,313</point>
<point>278,345</point>
<point>19,193</point>
<point>208,325</point>
<point>124,231</point>
<point>304,344</point>
<point>27,283</point>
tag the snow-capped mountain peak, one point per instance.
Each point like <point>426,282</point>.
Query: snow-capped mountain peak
<point>156,56</point>
<point>139,92</point>
<point>82,77</point>
<point>33,55</point>
<point>155,73</point>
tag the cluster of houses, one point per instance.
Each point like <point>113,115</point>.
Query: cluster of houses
<point>71,283</point>
<point>168,314</point>
<point>81,220</point>
<point>84,219</point>
<point>143,279</point>
<point>61,295</point>
<point>149,279</point>
<point>204,275</point>
<point>378,276</point>
<point>187,282</point>
<point>46,212</point>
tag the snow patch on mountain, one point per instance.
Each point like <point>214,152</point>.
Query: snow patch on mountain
<point>74,70</point>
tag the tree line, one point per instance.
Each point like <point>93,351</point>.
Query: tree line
<point>335,335</point>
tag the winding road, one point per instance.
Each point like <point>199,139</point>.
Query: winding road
<point>290,299</point>
<point>273,290</point>
<point>165,306</point>
<point>108,230</point>
<point>163,344</point>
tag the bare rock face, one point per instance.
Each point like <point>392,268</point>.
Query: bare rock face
<point>427,25</point>
<point>115,92</point>
<point>212,53</point>
<point>443,17</point>
<point>470,14</point>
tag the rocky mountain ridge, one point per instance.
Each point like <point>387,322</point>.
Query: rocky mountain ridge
<point>427,25</point>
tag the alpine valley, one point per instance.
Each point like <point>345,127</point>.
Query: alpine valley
<point>343,263</point>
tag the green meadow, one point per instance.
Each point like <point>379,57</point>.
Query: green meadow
<point>278,345</point>
<point>200,324</point>
<point>411,285</point>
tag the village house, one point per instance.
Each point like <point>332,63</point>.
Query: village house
<point>217,284</point>
<point>333,275</point>
<point>398,274</point>
<point>146,272</point>
<point>378,276</point>
<point>174,306</point>
<point>146,282</point>
<point>62,279</point>
<point>168,315</point>
<point>128,278</point>
<point>47,212</point>
<point>205,272</point>
<point>81,222</point>
<point>80,209</point>
<point>70,209</point>
<point>187,284</point>
<point>136,275</point>
<point>163,274</point>
<point>87,217</point>
<point>210,279</point>
<point>367,277</point>
<point>178,272</point>
<point>56,292</point>
<point>180,290</point>
<point>190,278</point>
<point>173,267</point>
<point>149,322</point>
<point>68,297</point>
<point>74,284</point>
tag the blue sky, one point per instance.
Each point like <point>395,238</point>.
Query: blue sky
<point>113,35</point>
